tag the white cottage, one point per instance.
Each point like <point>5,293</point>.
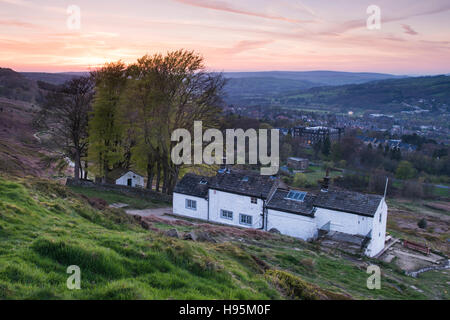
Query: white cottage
<point>253,201</point>
<point>125,177</point>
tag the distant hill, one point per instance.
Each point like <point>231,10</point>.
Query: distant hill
<point>317,89</point>
<point>52,78</point>
<point>253,88</point>
<point>320,78</point>
<point>15,86</point>
<point>384,95</point>
<point>254,79</point>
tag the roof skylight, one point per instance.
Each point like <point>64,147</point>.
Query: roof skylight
<point>296,195</point>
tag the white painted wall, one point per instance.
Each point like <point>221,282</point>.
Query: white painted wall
<point>343,221</point>
<point>378,230</point>
<point>137,180</point>
<point>179,206</point>
<point>290,224</point>
<point>237,204</point>
<point>287,223</point>
<point>357,225</point>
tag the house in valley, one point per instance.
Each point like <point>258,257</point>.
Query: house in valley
<point>250,200</point>
<point>125,177</point>
<point>312,135</point>
<point>298,163</point>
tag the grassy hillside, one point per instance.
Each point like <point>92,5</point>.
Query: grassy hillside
<point>263,88</point>
<point>382,95</point>
<point>385,95</point>
<point>45,227</point>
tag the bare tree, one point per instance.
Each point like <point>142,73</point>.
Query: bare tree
<point>65,117</point>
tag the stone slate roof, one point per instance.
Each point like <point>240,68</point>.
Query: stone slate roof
<point>190,185</point>
<point>279,202</point>
<point>255,185</point>
<point>348,201</point>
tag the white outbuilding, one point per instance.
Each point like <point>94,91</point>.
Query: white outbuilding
<point>125,177</point>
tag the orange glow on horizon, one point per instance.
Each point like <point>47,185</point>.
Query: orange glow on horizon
<point>231,35</point>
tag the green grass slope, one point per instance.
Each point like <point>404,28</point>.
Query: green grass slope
<point>46,227</point>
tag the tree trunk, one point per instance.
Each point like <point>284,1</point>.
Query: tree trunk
<point>77,165</point>
<point>165,178</point>
<point>80,166</point>
<point>105,172</point>
<point>158,175</point>
<point>174,180</point>
<point>150,174</point>
<point>85,170</point>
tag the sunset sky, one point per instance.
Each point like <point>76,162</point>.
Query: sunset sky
<point>232,35</point>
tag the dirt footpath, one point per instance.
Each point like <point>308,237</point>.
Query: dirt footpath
<point>158,212</point>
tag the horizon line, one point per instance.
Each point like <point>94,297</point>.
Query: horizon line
<point>264,71</point>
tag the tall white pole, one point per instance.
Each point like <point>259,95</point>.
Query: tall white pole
<point>385,188</point>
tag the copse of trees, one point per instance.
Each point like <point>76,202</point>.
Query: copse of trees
<point>417,140</point>
<point>106,143</point>
<point>405,171</point>
<point>137,107</point>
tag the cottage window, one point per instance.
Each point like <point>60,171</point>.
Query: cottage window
<point>254,200</point>
<point>380,216</point>
<point>245,219</point>
<point>225,214</point>
<point>191,204</point>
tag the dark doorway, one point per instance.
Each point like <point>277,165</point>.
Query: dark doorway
<point>130,182</point>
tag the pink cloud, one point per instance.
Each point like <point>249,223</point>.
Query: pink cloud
<point>245,45</point>
<point>409,30</point>
<point>223,6</point>
<point>17,23</point>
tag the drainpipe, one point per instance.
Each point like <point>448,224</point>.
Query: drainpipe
<point>207,199</point>
<point>265,210</point>
<point>263,215</point>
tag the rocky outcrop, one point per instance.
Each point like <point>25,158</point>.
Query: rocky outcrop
<point>173,233</point>
<point>275,231</point>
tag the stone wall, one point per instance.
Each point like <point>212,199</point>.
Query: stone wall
<point>145,193</point>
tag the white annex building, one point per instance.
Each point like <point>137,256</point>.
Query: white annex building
<point>125,177</point>
<point>254,201</point>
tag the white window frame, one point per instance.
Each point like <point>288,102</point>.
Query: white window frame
<point>241,215</point>
<point>254,200</point>
<point>224,216</point>
<point>191,207</point>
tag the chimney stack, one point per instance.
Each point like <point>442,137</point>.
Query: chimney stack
<point>326,181</point>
